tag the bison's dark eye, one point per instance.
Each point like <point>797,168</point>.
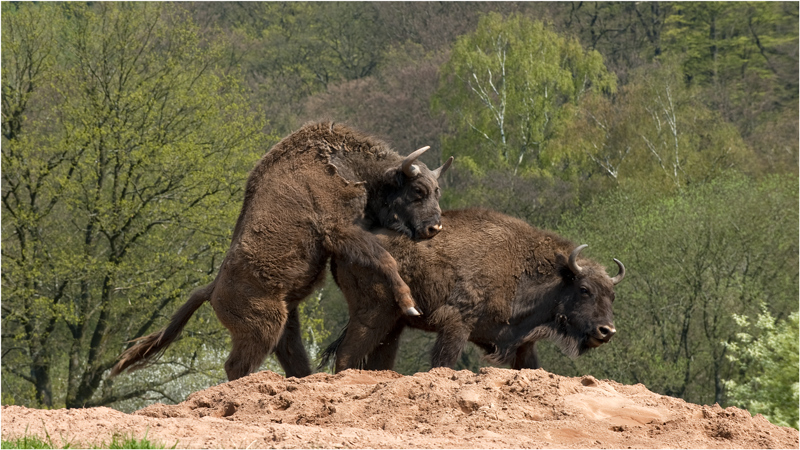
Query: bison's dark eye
<point>584,291</point>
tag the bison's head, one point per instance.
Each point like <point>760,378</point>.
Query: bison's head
<point>409,199</point>
<point>584,317</point>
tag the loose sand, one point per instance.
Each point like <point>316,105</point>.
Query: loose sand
<point>496,408</point>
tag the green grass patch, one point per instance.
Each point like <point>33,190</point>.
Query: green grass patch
<point>25,442</point>
<point>117,442</point>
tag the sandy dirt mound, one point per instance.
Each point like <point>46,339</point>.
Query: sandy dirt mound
<point>437,409</point>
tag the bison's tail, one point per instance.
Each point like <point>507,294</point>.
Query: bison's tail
<point>149,348</point>
<point>328,357</point>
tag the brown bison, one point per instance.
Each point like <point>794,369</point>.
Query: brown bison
<point>313,195</point>
<point>487,278</point>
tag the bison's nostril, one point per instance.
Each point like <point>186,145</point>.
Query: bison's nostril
<point>433,229</point>
<point>606,331</point>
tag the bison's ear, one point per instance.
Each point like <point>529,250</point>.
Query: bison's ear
<point>394,177</point>
<point>563,269</point>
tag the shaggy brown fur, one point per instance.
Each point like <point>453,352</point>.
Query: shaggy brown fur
<point>487,278</point>
<point>313,195</point>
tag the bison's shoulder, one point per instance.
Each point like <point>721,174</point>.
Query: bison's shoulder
<point>329,147</point>
<point>323,139</point>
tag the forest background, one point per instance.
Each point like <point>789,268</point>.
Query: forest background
<point>663,134</point>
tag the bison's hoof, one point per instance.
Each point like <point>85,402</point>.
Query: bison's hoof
<point>412,312</point>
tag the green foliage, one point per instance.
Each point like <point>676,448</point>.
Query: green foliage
<point>320,43</point>
<point>727,41</point>
<point>655,132</point>
<point>312,314</point>
<point>627,34</point>
<point>768,364</point>
<point>508,86</point>
<point>292,50</point>
<point>508,90</point>
<point>392,104</point>
<point>541,200</point>
<point>743,57</point>
<point>694,258</point>
<point>123,166</point>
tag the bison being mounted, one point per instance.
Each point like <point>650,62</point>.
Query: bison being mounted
<point>487,278</point>
<point>313,195</point>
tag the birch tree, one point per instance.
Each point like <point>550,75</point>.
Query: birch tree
<point>508,86</point>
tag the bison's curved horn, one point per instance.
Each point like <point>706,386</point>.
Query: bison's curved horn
<point>621,273</point>
<point>438,172</point>
<point>573,265</point>
<point>408,164</point>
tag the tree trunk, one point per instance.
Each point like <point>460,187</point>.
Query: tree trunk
<point>40,372</point>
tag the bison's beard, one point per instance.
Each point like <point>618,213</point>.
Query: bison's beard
<point>390,221</point>
<point>402,229</point>
<point>570,344</point>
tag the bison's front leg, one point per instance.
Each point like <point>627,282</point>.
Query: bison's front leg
<point>452,338</point>
<point>384,355</point>
<point>526,357</point>
<point>358,247</point>
<point>290,350</point>
<point>361,340</point>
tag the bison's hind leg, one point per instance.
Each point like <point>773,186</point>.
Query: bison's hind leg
<point>256,326</point>
<point>252,345</point>
<point>245,358</point>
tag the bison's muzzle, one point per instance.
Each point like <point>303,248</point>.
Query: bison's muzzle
<point>601,336</point>
<point>430,231</point>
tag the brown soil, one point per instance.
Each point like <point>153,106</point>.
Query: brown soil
<point>437,409</point>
